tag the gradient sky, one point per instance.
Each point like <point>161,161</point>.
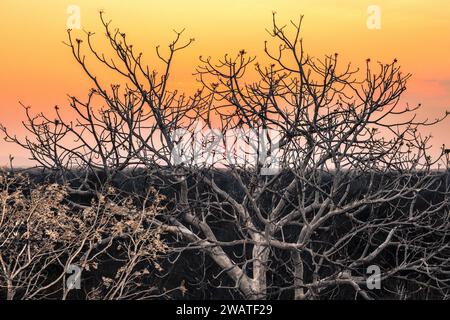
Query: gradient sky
<point>37,69</point>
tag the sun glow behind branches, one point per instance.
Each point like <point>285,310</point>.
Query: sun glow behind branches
<point>38,70</point>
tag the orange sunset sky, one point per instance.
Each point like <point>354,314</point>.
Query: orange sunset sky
<point>37,69</point>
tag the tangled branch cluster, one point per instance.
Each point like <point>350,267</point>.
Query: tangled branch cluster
<point>42,235</point>
<point>357,187</point>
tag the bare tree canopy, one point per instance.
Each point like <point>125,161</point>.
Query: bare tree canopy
<point>311,172</point>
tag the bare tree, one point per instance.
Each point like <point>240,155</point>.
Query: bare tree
<point>355,187</point>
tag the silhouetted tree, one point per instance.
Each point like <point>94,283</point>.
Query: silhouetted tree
<point>354,186</point>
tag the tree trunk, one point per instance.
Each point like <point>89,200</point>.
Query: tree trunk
<point>260,256</point>
<point>299,292</point>
<point>10,291</point>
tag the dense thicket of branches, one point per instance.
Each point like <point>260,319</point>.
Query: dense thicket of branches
<point>43,240</point>
<point>355,187</point>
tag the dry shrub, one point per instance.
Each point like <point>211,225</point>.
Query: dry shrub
<point>42,233</point>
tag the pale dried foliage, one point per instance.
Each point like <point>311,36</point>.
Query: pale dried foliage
<point>42,234</point>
